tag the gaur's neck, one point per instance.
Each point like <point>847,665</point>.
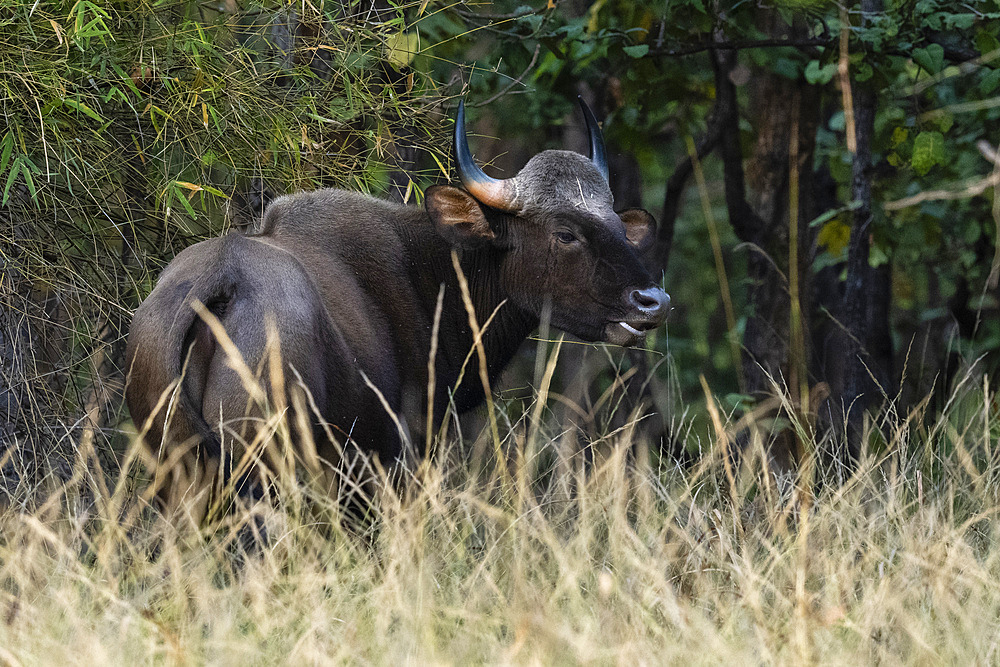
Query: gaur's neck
<point>510,324</point>
<point>503,334</point>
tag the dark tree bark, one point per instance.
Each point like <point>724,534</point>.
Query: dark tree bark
<point>867,293</point>
<point>780,108</point>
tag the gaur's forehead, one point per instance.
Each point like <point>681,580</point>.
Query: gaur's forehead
<point>563,180</point>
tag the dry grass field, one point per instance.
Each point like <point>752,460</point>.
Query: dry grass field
<point>541,561</point>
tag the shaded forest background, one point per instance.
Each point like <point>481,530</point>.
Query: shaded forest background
<point>823,177</point>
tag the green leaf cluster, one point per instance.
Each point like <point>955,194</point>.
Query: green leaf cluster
<point>129,127</point>
<point>933,65</point>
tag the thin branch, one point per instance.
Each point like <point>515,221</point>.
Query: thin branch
<point>971,188</point>
<point>946,73</point>
<point>955,55</point>
<point>515,82</point>
<point>502,17</point>
<point>991,154</point>
<point>745,221</point>
<point>678,182</point>
<point>739,45</point>
<point>843,68</point>
<point>960,107</point>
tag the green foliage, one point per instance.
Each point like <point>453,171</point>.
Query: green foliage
<point>173,83</point>
<point>130,127</point>
<point>650,66</point>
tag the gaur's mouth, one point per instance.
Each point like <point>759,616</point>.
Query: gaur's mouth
<point>627,333</point>
<point>647,309</point>
<point>632,330</point>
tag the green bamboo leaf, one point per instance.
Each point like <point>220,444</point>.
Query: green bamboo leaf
<point>8,146</point>
<point>83,108</point>
<point>15,169</point>
<point>180,196</point>
<point>440,166</point>
<point>126,79</point>
<point>28,180</point>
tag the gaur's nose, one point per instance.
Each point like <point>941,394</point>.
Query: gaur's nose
<point>652,302</point>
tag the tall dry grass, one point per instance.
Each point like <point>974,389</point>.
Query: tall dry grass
<point>620,561</point>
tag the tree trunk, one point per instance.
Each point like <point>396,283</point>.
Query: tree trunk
<point>783,110</point>
<point>867,292</point>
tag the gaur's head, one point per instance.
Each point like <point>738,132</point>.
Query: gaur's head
<point>559,239</point>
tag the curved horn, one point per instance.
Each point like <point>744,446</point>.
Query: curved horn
<point>499,194</point>
<point>597,153</point>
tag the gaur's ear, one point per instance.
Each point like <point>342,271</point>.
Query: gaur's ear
<point>457,216</point>
<point>639,227</point>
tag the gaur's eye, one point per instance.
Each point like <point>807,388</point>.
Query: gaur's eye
<point>564,237</point>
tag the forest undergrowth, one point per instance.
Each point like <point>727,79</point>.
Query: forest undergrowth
<point>132,131</point>
<point>552,558</point>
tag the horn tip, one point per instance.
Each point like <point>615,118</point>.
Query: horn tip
<point>597,150</point>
